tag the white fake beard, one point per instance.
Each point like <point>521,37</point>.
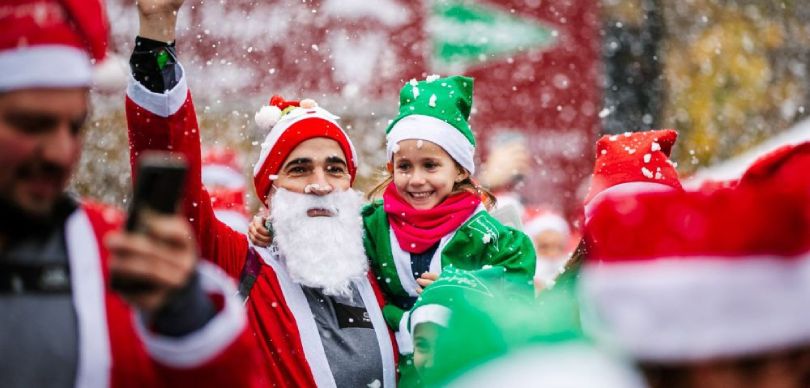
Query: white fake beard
<point>320,252</point>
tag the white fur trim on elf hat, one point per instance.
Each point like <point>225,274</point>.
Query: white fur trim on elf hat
<point>433,313</point>
<point>435,131</point>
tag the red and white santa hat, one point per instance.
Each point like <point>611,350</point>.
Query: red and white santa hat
<point>537,220</point>
<point>222,168</point>
<point>50,43</point>
<point>289,124</point>
<point>683,276</point>
<point>630,163</point>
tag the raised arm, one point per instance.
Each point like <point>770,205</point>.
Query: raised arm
<point>161,116</point>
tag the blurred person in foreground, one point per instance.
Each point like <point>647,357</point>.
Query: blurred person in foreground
<point>709,289</point>
<point>313,305</point>
<point>484,328</point>
<point>223,179</point>
<point>62,325</point>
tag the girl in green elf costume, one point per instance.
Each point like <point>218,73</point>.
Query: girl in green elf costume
<point>431,213</point>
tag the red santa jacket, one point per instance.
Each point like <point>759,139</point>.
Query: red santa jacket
<point>116,350</point>
<point>278,312</point>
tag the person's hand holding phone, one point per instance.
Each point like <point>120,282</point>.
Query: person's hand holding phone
<point>162,255</point>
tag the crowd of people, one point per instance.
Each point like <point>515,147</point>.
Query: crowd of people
<point>430,279</point>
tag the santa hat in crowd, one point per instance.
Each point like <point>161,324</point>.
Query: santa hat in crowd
<point>630,163</point>
<point>289,123</point>
<point>436,110</point>
<point>538,220</point>
<point>50,43</point>
<point>223,178</point>
<point>682,276</point>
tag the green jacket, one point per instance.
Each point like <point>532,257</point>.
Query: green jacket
<point>481,240</point>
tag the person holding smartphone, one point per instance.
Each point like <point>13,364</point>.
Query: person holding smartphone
<point>63,324</point>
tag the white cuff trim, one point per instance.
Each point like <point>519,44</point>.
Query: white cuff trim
<point>208,342</point>
<point>435,131</point>
<point>161,104</point>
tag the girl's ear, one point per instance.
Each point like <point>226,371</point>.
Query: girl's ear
<point>389,167</point>
<point>462,175</point>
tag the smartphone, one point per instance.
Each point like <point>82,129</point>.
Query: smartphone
<point>159,183</point>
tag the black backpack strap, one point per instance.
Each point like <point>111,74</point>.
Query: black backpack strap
<point>250,272</point>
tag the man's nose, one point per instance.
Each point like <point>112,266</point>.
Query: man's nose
<point>319,185</point>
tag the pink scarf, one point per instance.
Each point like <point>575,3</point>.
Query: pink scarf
<point>417,230</point>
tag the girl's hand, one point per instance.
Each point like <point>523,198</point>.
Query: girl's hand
<point>425,280</point>
<point>258,234</point>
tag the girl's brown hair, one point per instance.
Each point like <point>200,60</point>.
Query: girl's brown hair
<point>469,184</point>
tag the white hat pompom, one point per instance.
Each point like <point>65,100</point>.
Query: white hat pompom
<point>307,103</point>
<point>267,117</point>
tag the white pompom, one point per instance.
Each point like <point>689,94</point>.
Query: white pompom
<point>307,103</point>
<point>267,117</point>
<point>111,74</point>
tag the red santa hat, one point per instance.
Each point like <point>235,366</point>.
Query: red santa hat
<point>632,162</point>
<point>537,220</point>
<point>684,276</point>
<point>50,43</point>
<point>289,124</point>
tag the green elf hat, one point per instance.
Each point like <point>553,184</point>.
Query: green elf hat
<point>436,110</point>
<point>457,287</point>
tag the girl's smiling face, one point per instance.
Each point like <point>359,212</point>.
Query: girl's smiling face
<point>424,173</point>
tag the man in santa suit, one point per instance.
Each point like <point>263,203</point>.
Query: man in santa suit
<point>61,324</point>
<point>312,302</point>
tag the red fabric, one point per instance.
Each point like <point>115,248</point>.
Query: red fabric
<point>76,23</point>
<point>236,365</point>
<point>300,131</point>
<point>787,166</point>
<point>620,159</point>
<point>416,229</point>
<point>730,223</point>
<point>224,199</point>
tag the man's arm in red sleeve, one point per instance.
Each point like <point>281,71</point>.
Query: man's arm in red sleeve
<point>167,121</point>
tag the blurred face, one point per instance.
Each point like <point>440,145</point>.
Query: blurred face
<point>424,173</point>
<point>40,144</point>
<point>317,167</point>
<point>424,342</point>
<point>550,244</point>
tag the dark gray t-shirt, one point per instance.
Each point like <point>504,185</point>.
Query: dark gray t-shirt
<point>39,324</point>
<point>348,337</point>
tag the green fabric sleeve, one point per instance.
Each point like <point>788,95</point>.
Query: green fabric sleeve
<point>515,252</point>
<point>393,315</point>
